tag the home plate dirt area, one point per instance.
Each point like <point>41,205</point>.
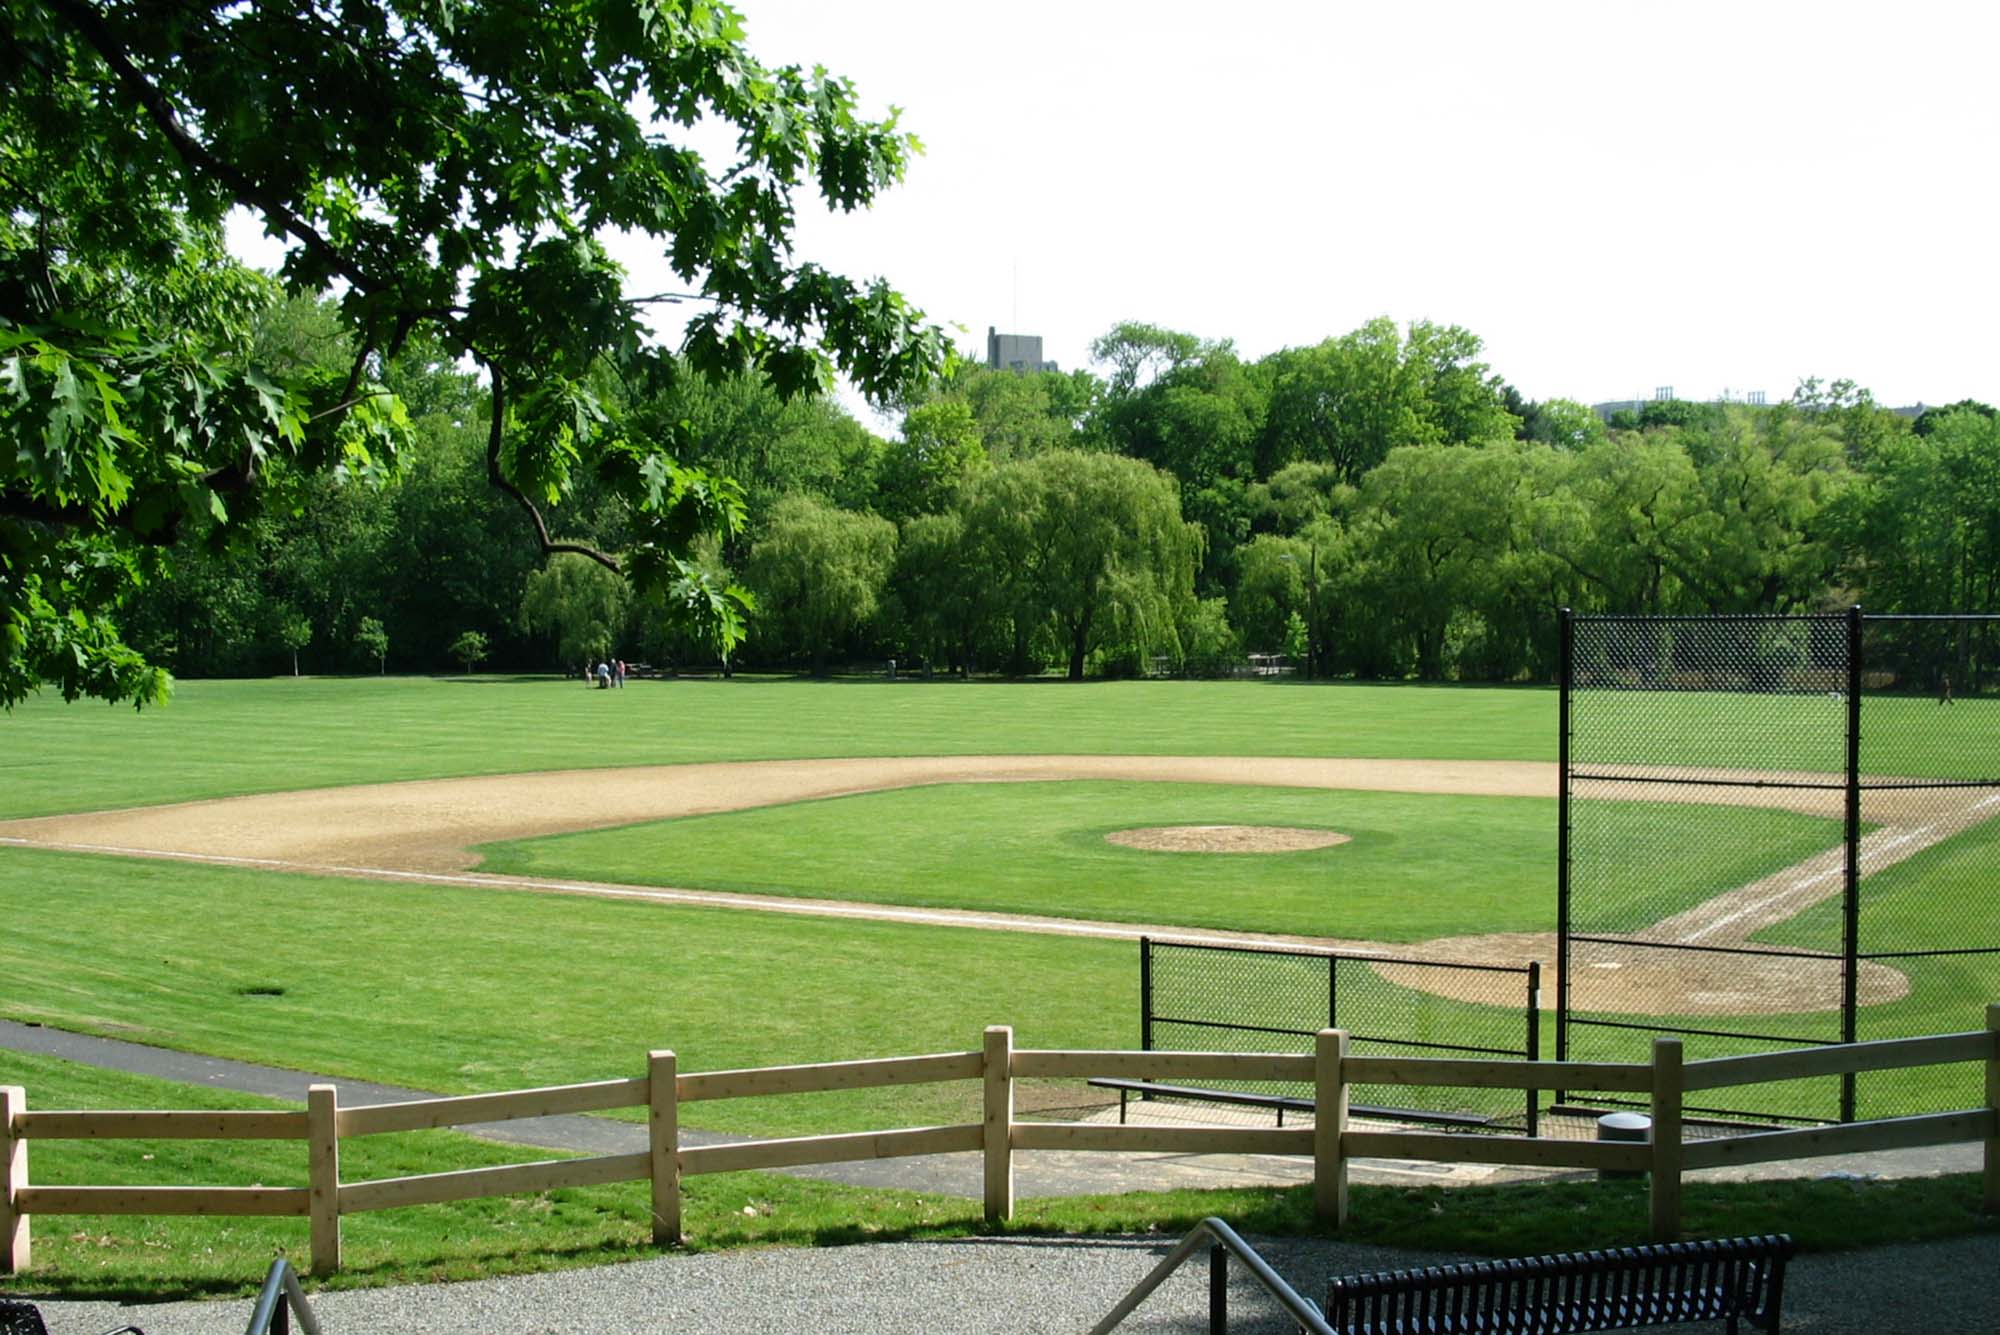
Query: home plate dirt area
<point>424,831</point>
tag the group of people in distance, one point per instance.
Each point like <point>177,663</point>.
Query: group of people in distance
<point>608,673</point>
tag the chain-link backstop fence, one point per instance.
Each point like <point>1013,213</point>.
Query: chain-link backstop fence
<point>1780,831</point>
<point>1212,998</point>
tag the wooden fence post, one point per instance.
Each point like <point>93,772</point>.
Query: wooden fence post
<point>999,1122</point>
<point>1668,1088</point>
<point>1992,1103</point>
<point>663,1121</point>
<point>14,1248</point>
<point>1329,1124</point>
<point>323,1176</point>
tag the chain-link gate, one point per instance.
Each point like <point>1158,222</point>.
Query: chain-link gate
<point>1213,998</point>
<point>1780,831</point>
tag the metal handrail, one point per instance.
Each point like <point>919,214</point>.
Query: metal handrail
<point>1224,1243</point>
<point>281,1296</point>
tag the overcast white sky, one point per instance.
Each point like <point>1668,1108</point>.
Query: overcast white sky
<point>1720,197</point>
<point>1614,196</point>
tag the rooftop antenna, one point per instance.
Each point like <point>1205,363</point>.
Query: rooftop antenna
<point>1017,294</point>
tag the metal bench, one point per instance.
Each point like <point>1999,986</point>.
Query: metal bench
<point>1282,1102</point>
<point>1663,1284</point>
<point>19,1318</point>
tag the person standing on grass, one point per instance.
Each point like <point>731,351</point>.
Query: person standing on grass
<point>1944,688</point>
<point>618,670</point>
<point>603,675</point>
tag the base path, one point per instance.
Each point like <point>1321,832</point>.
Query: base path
<point>433,824</point>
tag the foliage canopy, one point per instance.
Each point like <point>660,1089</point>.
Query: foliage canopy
<point>445,168</point>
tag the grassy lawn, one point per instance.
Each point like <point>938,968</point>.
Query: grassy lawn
<point>1939,898</point>
<point>1417,865</point>
<point>219,738</point>
<point>1942,898</point>
<point>1901,735</point>
<point>136,1258</point>
<point>468,990</point>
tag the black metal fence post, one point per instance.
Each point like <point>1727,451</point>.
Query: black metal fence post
<point>1566,676</point>
<point>1146,993</point>
<point>1534,1040</point>
<point>1332,992</point>
<point>1850,946</point>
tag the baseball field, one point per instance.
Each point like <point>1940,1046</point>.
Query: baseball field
<point>483,883</point>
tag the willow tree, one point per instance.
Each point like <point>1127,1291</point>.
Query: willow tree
<point>1092,545</point>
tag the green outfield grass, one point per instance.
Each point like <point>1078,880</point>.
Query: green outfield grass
<point>1942,898</point>
<point>1417,865</point>
<point>1939,898</point>
<point>469,990</point>
<point>466,990</point>
<point>1908,736</point>
<point>219,738</point>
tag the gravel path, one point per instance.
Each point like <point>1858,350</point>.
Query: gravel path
<point>993,1285</point>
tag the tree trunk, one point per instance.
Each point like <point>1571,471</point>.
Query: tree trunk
<point>1076,648</point>
<point>295,662</point>
<point>1079,642</point>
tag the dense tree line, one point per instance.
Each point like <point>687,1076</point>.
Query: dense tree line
<point>1381,504</point>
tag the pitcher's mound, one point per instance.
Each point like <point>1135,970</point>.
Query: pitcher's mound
<point>1225,838</point>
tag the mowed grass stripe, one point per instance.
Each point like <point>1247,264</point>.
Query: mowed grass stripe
<point>1416,866</point>
<point>470,990</point>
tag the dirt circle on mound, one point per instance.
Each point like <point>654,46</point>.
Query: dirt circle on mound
<point>1225,838</point>
<point>1643,980</point>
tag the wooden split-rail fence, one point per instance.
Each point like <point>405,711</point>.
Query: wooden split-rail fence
<point>1330,1142</point>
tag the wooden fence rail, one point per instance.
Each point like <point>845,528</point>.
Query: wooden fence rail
<point>1330,1142</point>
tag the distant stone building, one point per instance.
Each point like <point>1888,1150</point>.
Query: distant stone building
<point>1753,398</point>
<point>1019,353</point>
<point>1665,394</point>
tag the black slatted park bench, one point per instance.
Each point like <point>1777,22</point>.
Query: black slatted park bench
<point>24,1318</point>
<point>1730,1280</point>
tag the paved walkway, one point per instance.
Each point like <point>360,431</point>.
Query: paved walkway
<point>1016,1286</point>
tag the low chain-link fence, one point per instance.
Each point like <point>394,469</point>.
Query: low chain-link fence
<point>1213,998</point>
<point>1780,831</point>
